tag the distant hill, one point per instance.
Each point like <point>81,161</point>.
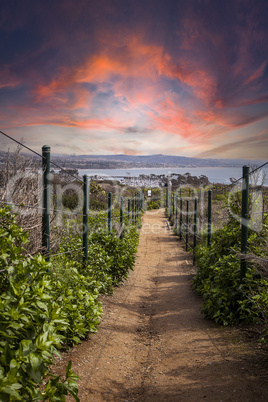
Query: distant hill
<point>165,160</point>
<point>138,161</point>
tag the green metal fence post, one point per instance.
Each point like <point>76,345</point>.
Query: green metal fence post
<point>85,217</point>
<point>170,202</point>
<point>136,209</point>
<point>128,210</point>
<point>195,227</point>
<point>110,212</point>
<point>121,217</point>
<point>133,211</point>
<point>244,220</point>
<point>167,200</point>
<point>180,218</point>
<point>176,209</point>
<point>209,216</point>
<point>187,225</point>
<point>166,203</point>
<point>46,201</point>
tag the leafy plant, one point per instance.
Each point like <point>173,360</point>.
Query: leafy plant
<point>153,204</point>
<point>46,306</point>
<point>32,324</point>
<point>227,299</point>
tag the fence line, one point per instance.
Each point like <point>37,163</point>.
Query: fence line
<point>175,210</point>
<point>134,208</point>
<point>136,202</point>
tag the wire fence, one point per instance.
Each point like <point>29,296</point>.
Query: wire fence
<point>197,214</point>
<point>47,203</point>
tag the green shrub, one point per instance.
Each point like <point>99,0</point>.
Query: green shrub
<point>121,251</point>
<point>32,323</point>
<point>46,306</point>
<point>70,199</point>
<point>153,204</point>
<point>227,299</point>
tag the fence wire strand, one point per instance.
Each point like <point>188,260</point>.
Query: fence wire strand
<point>41,156</point>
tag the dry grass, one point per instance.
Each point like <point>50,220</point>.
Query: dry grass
<point>21,189</point>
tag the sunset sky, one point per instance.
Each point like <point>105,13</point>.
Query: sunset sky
<point>144,77</point>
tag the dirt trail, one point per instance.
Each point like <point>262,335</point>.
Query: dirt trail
<point>153,343</point>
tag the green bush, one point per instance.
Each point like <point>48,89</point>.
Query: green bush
<point>153,204</point>
<point>121,251</point>
<point>46,306</point>
<point>70,199</point>
<point>32,323</point>
<point>227,299</point>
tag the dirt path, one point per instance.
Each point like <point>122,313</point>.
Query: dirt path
<point>153,343</point>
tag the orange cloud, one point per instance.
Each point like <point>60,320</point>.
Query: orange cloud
<point>132,75</point>
<point>133,59</point>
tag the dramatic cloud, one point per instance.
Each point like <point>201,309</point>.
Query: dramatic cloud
<point>136,77</point>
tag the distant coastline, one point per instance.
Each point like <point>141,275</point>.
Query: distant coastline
<point>214,174</point>
<point>144,162</point>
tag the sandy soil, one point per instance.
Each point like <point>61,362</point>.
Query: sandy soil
<point>154,344</point>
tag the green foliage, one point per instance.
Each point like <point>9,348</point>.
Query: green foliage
<point>153,204</point>
<point>121,251</point>
<point>70,199</point>
<point>227,299</point>
<point>220,197</point>
<point>98,197</point>
<point>32,322</point>
<point>45,306</point>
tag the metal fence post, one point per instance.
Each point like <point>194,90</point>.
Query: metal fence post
<point>110,212</point>
<point>136,208</point>
<point>128,210</point>
<point>85,217</point>
<point>170,202</point>
<point>133,211</point>
<point>46,201</point>
<point>209,217</point>
<point>167,200</point>
<point>195,227</point>
<point>244,220</point>
<point>176,209</point>
<point>180,218</point>
<point>187,225</point>
<point>121,218</point>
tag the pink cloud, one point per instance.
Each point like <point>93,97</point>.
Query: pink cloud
<point>8,80</point>
<point>133,75</point>
<point>257,73</point>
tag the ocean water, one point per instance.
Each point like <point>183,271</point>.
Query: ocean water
<point>214,174</point>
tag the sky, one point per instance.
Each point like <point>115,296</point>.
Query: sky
<point>146,77</point>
